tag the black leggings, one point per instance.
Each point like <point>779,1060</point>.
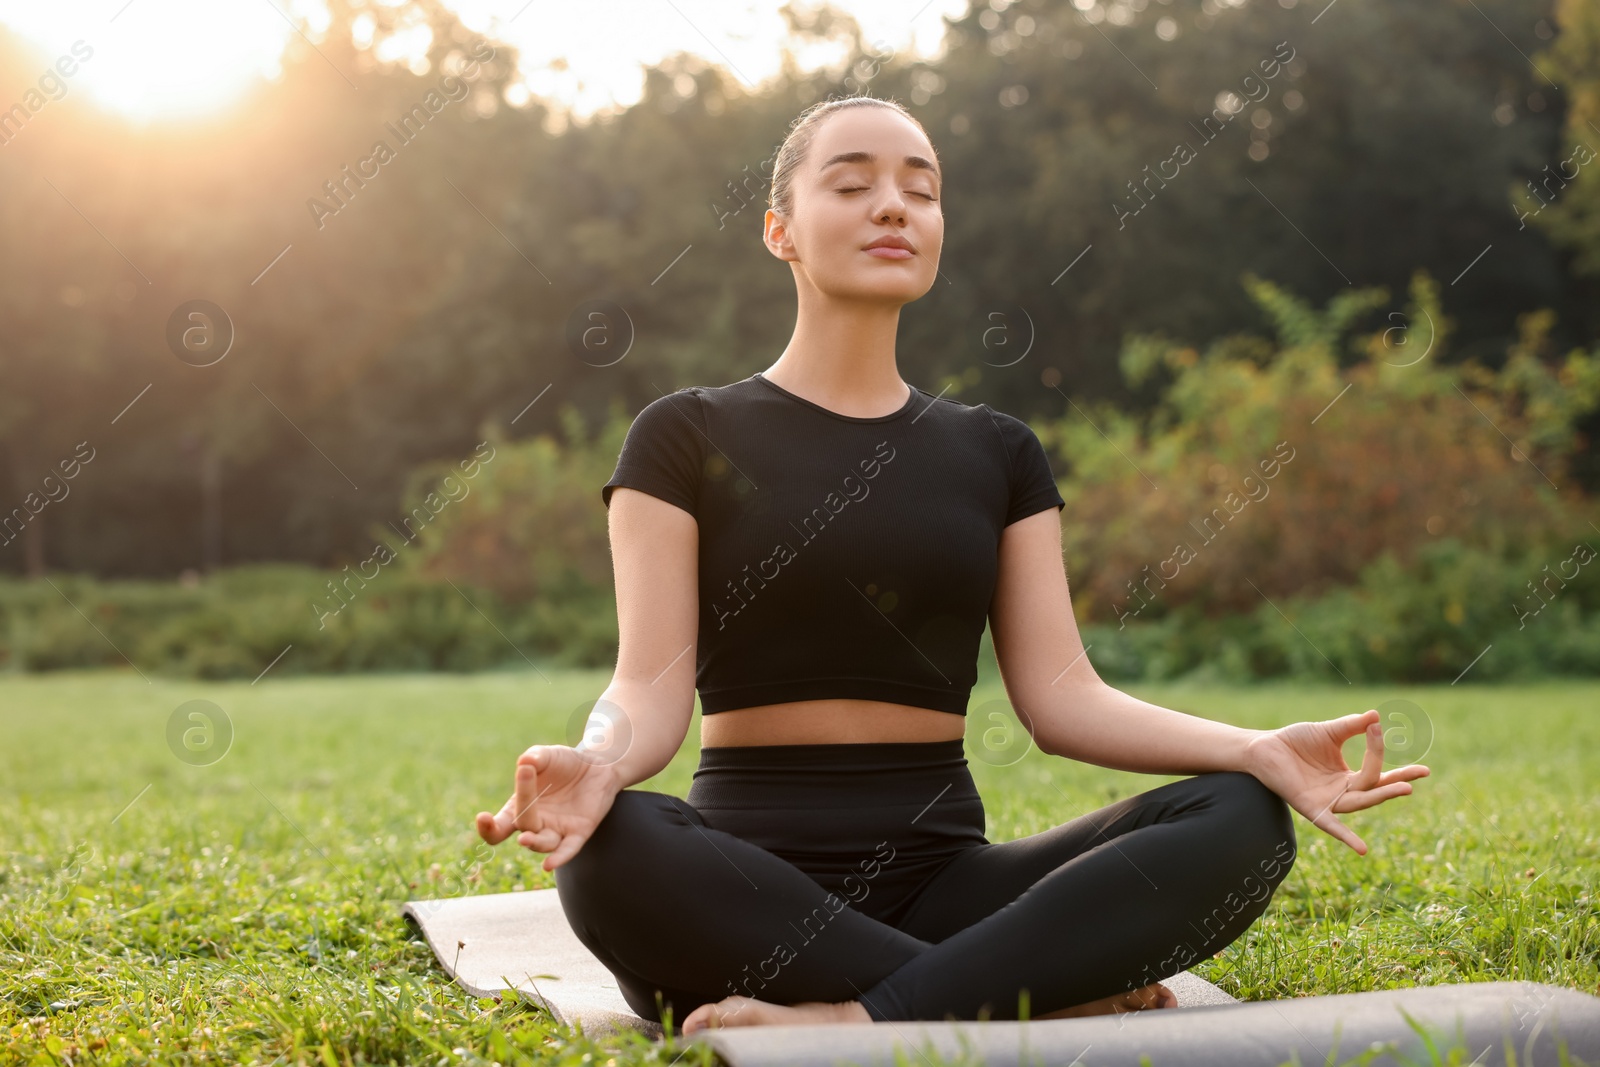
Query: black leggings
<point>861,872</point>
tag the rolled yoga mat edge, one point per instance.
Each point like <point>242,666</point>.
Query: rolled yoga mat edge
<point>1330,1029</point>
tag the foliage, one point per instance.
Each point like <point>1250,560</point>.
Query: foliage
<point>1266,471</point>
<point>1571,216</point>
<point>442,296</point>
<point>1385,508</point>
<point>532,526</point>
<point>1454,613</point>
<point>243,621</point>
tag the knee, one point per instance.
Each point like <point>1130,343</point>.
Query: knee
<point>621,847</point>
<point>1258,821</point>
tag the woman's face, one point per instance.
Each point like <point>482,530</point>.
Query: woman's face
<point>869,174</point>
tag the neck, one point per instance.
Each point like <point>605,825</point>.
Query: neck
<point>842,355</point>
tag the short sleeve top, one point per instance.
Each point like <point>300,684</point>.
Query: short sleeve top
<point>838,556</point>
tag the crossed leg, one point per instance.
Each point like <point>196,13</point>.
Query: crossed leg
<point>1102,905</point>
<point>686,915</point>
<point>683,914</point>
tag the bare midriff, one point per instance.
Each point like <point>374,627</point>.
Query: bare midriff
<point>832,721</point>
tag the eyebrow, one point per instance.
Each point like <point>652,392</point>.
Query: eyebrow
<point>869,157</point>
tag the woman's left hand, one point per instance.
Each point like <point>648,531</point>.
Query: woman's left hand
<point>1303,764</point>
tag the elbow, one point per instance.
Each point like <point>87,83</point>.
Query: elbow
<point>1041,721</point>
<point>1055,718</point>
<point>1040,745</point>
<point>1051,746</point>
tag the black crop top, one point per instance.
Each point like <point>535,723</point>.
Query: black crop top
<point>839,556</point>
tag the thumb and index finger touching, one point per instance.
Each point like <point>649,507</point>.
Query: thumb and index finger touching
<point>1371,775</point>
<point>1368,785</point>
<point>1344,728</point>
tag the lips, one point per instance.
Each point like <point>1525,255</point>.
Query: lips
<point>890,247</point>
<point>890,241</point>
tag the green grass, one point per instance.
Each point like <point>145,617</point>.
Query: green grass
<point>247,911</point>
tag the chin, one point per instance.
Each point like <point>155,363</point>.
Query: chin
<point>877,295</point>
<point>904,290</point>
<point>854,285</point>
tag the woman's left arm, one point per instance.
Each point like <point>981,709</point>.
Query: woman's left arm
<point>1070,711</point>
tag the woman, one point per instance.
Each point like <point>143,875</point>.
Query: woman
<point>829,542</point>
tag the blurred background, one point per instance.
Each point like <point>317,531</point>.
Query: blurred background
<point>321,323</point>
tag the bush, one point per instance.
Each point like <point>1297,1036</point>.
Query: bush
<point>1266,471</point>
<point>237,622</point>
<point>530,526</point>
<point>1369,524</point>
<point>1455,610</point>
<point>499,561</point>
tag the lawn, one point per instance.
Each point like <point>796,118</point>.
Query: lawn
<point>246,909</point>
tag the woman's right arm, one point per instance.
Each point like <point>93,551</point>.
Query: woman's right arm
<point>650,701</point>
<point>562,793</point>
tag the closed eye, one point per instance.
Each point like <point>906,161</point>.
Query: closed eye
<point>859,188</point>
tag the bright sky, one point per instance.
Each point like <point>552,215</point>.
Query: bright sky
<point>167,59</point>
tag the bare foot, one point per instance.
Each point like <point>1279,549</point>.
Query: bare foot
<point>1154,995</point>
<point>747,1011</point>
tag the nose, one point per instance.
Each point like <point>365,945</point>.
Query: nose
<point>893,208</point>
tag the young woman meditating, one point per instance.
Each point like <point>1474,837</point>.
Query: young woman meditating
<point>816,548</point>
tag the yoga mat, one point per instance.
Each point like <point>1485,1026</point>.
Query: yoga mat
<point>522,941</point>
<point>1317,1030</point>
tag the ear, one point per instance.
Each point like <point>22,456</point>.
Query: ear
<point>776,236</point>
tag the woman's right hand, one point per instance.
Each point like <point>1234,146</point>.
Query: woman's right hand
<point>560,797</point>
